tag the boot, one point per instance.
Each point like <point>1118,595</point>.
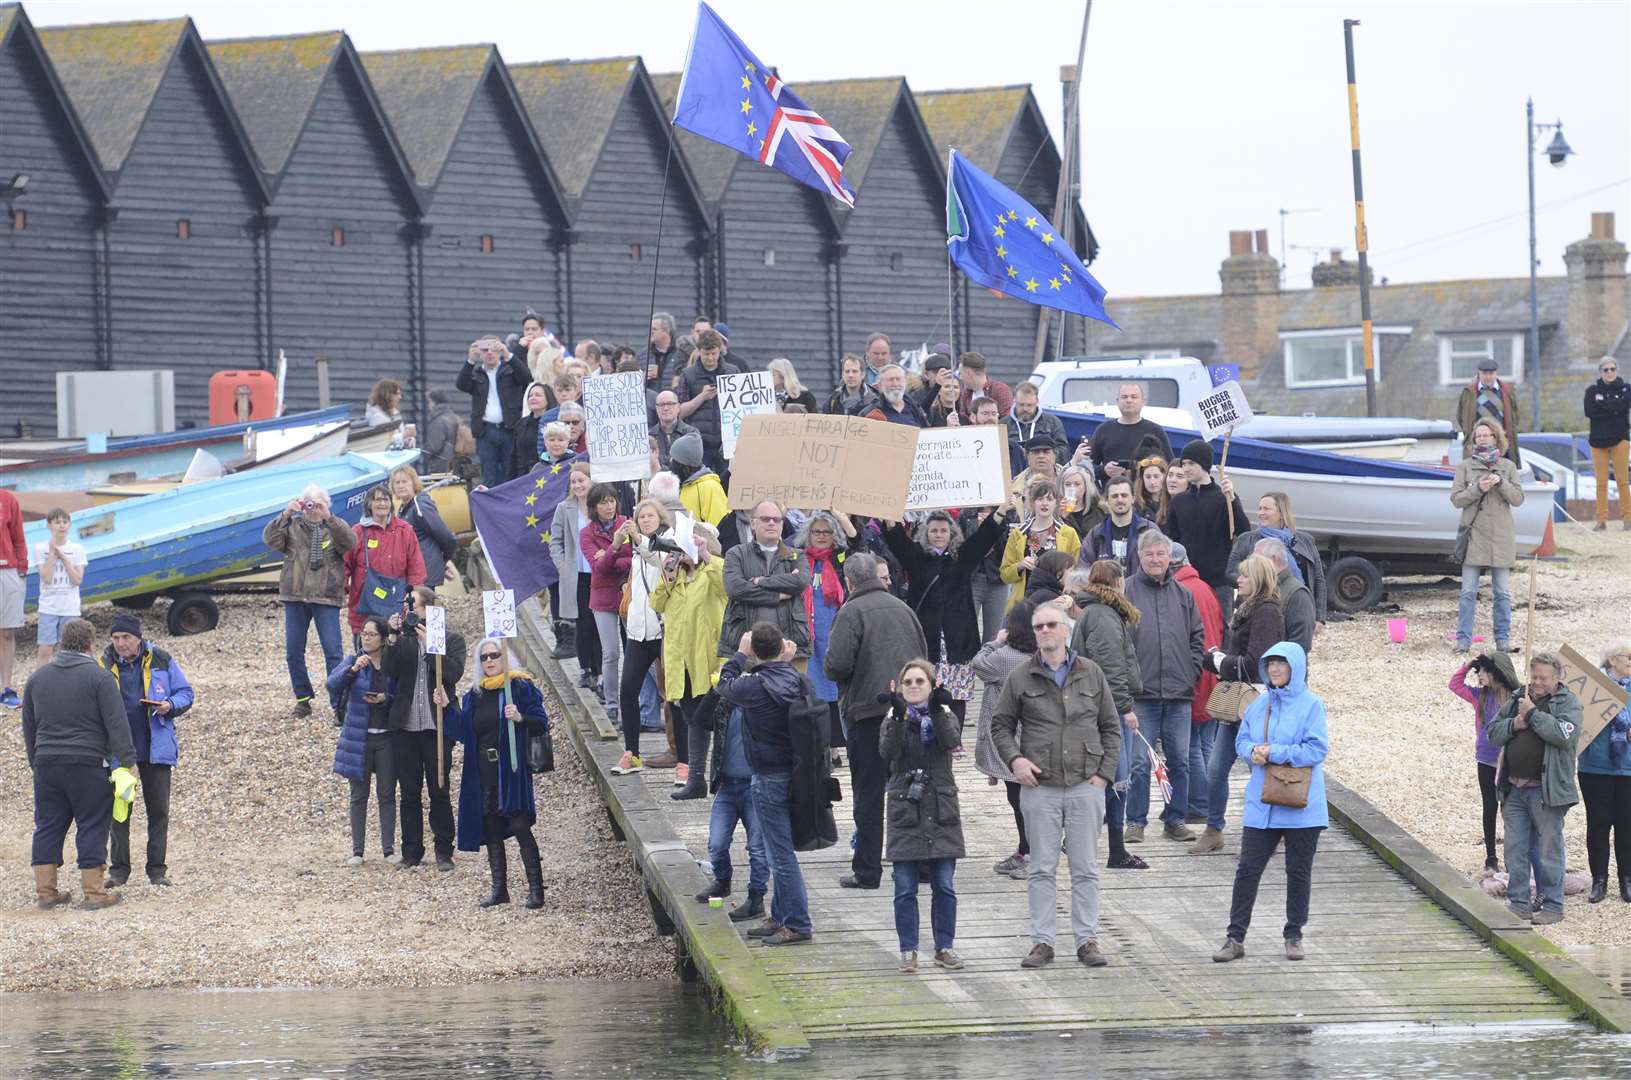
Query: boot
<point>96,897</point>
<point>116,877</point>
<point>695,788</point>
<point>566,641</point>
<point>753,909</point>
<point>715,888</point>
<point>1211,840</point>
<point>1625,888</point>
<point>501,884</point>
<point>535,877</point>
<point>46,893</point>
<point>668,759</point>
<point>1599,890</point>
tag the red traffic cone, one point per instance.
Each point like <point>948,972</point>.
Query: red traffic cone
<point>1548,543</point>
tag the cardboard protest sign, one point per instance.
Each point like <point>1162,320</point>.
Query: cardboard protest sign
<point>684,535</point>
<point>436,631</point>
<point>751,393</point>
<point>959,466</point>
<point>498,613</point>
<point>614,408</point>
<point>1601,698</point>
<point>1221,411</point>
<point>817,462</point>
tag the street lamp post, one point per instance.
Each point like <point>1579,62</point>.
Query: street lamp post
<point>1557,152</point>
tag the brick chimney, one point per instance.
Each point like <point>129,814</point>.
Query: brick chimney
<point>1251,302</point>
<point>1339,272</point>
<point>1597,291</point>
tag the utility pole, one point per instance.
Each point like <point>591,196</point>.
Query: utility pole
<point>1061,211</point>
<point>1360,238</point>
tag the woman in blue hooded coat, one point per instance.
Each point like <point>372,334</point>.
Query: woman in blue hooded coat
<point>493,720</point>
<point>360,694</point>
<point>1285,726</point>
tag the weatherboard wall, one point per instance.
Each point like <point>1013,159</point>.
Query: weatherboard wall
<point>48,268</point>
<point>186,303</point>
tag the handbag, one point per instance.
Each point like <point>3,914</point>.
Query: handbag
<point>1284,785</point>
<point>1463,534</point>
<point>381,595</point>
<point>623,604</point>
<point>1228,700</point>
<point>541,752</point>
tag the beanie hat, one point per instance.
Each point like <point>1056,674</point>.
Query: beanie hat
<point>1179,554</point>
<point>126,623</point>
<point>1198,452</point>
<point>686,450</point>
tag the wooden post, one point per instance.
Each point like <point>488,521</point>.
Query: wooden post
<point>441,760</point>
<point>1223,474</point>
<point>1529,633</point>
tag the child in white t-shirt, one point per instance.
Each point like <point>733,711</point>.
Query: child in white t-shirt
<point>62,568</point>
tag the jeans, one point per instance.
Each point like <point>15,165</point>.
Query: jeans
<point>1608,809</point>
<point>1167,721</point>
<point>77,795</point>
<point>1074,814</point>
<point>772,801</point>
<point>609,628</point>
<point>733,802</point>
<point>942,908</point>
<point>641,656</point>
<point>379,761</point>
<point>156,802</point>
<point>1201,740</point>
<point>414,755</point>
<point>494,447</point>
<point>1218,766</point>
<point>1256,846</point>
<point>1115,801</point>
<point>990,598</point>
<point>868,776</point>
<point>1533,828</point>
<point>1468,612</point>
<point>297,617</point>
<point>1601,456</point>
<point>651,701</point>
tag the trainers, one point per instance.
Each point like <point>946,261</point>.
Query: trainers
<point>9,698</point>
<point>784,936</point>
<point>1022,869</point>
<point>586,681</point>
<point>682,774</point>
<point>1126,861</point>
<point>1007,865</point>
<point>1178,832</point>
<point>1232,950</point>
<point>393,858</point>
<point>1546,918</point>
<point>628,763</point>
<point>908,963</point>
<point>355,860</point>
<point>765,929</point>
<point>1041,955</point>
<point>444,863</point>
<point>948,959</point>
<point>1088,953</point>
<point>1133,834</point>
<point>302,708</point>
<point>1294,948</point>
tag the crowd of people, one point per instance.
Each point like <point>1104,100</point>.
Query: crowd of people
<point>1131,629</point>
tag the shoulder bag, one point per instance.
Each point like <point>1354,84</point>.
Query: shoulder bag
<point>381,595</point>
<point>1228,701</point>
<point>1463,534</point>
<point>1284,785</point>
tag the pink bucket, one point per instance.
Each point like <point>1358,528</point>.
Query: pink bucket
<point>1396,631</point>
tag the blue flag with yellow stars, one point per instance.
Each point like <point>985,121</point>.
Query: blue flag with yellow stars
<point>1000,241</point>
<point>513,521</point>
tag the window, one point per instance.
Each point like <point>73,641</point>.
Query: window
<point>635,254</point>
<point>770,256</point>
<point>897,261</point>
<point>184,229</point>
<point>337,237</point>
<point>19,220</point>
<point>1158,392</point>
<point>1325,358</point>
<point>486,243</point>
<point>1459,354</point>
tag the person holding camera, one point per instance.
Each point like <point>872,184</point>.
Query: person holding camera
<point>413,740</point>
<point>1496,682</point>
<point>495,381</point>
<point>360,693</point>
<point>312,584</point>
<point>496,800</point>
<point>925,832</point>
<point>1537,731</point>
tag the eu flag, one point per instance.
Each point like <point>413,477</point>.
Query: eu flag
<point>729,96</point>
<point>513,521</point>
<point>1000,241</point>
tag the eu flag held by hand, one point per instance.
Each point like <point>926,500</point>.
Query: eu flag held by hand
<point>729,96</point>
<point>513,521</point>
<point>1000,241</point>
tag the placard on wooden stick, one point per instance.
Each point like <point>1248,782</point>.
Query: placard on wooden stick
<point>498,613</point>
<point>1601,699</point>
<point>614,407</point>
<point>819,462</point>
<point>959,466</point>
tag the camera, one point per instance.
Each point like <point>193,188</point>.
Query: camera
<point>409,619</point>
<point>663,543</point>
<point>914,791</point>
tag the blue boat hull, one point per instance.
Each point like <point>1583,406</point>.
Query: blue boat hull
<point>203,531</point>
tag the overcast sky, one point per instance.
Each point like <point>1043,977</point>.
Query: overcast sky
<point>1198,116</point>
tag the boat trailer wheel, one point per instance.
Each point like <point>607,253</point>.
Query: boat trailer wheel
<point>1355,584</point>
<point>192,613</point>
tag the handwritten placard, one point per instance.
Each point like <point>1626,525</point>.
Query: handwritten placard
<point>752,393</point>
<point>1221,411</point>
<point>614,409</point>
<point>818,462</point>
<point>498,613</point>
<point>959,466</point>
<point>1601,699</point>
<point>436,630</point>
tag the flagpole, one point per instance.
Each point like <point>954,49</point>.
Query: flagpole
<point>657,262</point>
<point>1066,163</point>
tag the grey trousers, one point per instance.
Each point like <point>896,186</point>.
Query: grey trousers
<point>380,761</point>
<point>610,630</point>
<point>1076,813</point>
<point>990,597</point>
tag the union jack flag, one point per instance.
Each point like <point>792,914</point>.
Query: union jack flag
<point>1158,770</point>
<point>727,95</point>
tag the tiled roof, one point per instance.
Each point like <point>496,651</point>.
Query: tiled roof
<point>425,94</point>
<point>573,105</point>
<point>978,122</point>
<point>8,18</point>
<point>859,110</point>
<point>111,73</point>
<point>273,83</point>
<point>711,163</point>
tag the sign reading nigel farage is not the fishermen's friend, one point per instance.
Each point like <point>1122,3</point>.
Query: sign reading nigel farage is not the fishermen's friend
<point>817,462</point>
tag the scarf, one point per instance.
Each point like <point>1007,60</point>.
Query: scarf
<point>1489,455</point>
<point>495,682</point>
<point>920,715</point>
<point>824,569</point>
<point>1490,403</point>
<point>1285,536</point>
<point>316,555</point>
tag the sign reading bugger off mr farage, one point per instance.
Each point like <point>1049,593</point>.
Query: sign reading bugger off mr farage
<point>824,463</point>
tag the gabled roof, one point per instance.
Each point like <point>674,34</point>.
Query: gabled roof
<point>572,104</point>
<point>8,18</point>
<point>273,83</point>
<point>425,94</point>
<point>859,110</point>
<point>978,121</point>
<point>15,25</point>
<point>112,72</point>
<point>712,163</point>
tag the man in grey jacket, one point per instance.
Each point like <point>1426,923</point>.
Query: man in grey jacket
<point>73,726</point>
<point>765,582</point>
<point>312,584</point>
<point>1296,600</point>
<point>872,637</point>
<point>1169,643</point>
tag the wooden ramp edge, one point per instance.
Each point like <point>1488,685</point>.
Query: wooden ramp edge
<point>1486,916</point>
